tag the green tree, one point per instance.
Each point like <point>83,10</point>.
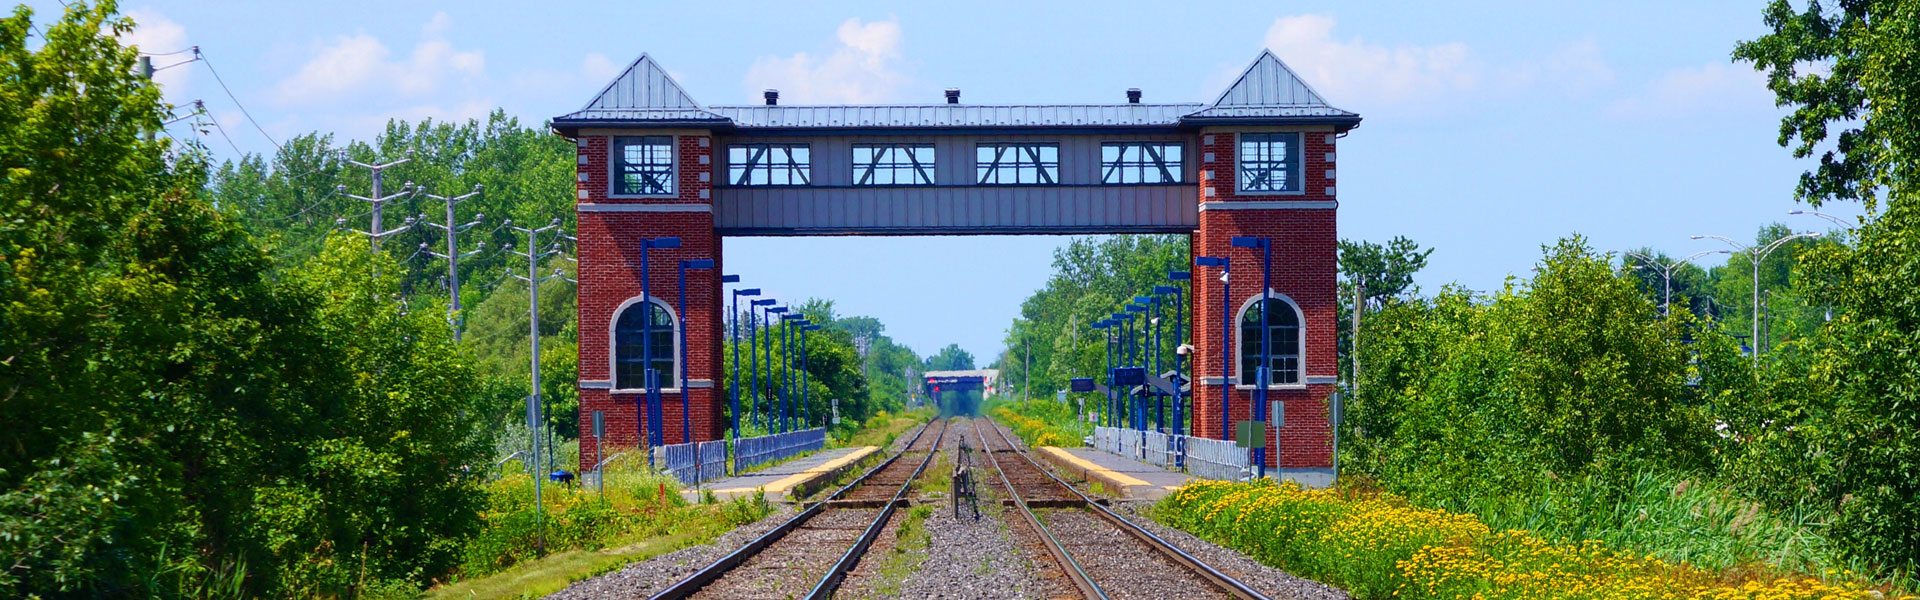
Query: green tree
<point>1382,273</point>
<point>1846,419</point>
<point>950,358</point>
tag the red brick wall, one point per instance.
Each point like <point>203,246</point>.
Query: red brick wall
<point>1304,251</point>
<point>609,254</point>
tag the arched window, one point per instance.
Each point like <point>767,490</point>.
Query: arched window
<point>652,321</point>
<point>1287,335</point>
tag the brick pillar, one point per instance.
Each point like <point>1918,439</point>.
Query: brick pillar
<point>1305,246</point>
<point>610,232</point>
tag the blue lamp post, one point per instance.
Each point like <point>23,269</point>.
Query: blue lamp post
<point>1118,322</point>
<point>656,435</point>
<point>1226,339</point>
<point>733,318</point>
<point>806,385</point>
<point>1179,343</point>
<point>1107,338</point>
<point>1138,406</point>
<point>1263,374</point>
<point>753,354</point>
<point>787,357</point>
<point>775,315</point>
<point>686,404</point>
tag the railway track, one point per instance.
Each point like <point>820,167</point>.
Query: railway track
<point>1100,552</point>
<point>816,548</point>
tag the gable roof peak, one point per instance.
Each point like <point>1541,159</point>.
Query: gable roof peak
<point>1269,82</point>
<point>643,86</point>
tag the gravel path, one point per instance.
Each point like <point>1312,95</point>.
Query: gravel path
<point>1122,566</point>
<point>1268,580</point>
<point>646,578</point>
<point>969,558</point>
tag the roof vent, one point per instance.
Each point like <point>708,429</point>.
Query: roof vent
<point>1133,95</point>
<point>772,96</point>
<point>953,95</point>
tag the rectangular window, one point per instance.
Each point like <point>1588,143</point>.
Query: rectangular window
<point>1141,162</point>
<point>769,164</point>
<point>893,164</point>
<point>643,166</point>
<point>1016,164</point>
<point>1270,162</point>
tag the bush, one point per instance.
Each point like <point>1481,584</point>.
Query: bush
<point>1043,423</point>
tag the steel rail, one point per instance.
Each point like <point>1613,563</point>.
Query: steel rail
<point>1222,581</point>
<point>700,579</point>
<point>851,558</point>
<point>1071,567</point>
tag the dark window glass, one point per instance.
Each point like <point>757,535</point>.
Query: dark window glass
<point>1269,162</point>
<point>769,164</point>
<point>893,164</point>
<point>628,359</point>
<point>1014,164</point>
<point>1284,326</point>
<point>1141,162</point>
<point>643,166</point>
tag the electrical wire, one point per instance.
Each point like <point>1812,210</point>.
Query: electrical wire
<point>223,133</point>
<point>181,51</point>
<point>236,100</point>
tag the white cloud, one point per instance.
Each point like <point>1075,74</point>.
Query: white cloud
<point>361,65</point>
<point>1712,87</point>
<point>154,32</point>
<point>1358,74</point>
<point>865,68</point>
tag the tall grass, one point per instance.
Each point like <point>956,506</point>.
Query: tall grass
<point>1042,422</point>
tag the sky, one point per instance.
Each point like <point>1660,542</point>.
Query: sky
<point>1489,130</point>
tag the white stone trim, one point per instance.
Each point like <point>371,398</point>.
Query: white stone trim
<point>1271,205</point>
<point>596,384</point>
<point>674,207</point>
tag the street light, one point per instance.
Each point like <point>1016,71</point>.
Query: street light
<point>1106,337</point>
<point>806,387</point>
<point>686,404</point>
<point>733,384</point>
<point>1226,338</point>
<point>1755,255</point>
<point>1262,374</point>
<point>1179,340</point>
<point>1833,219</point>
<point>788,355</point>
<point>775,314</point>
<point>656,435</point>
<point>1666,274</point>
<point>753,350</point>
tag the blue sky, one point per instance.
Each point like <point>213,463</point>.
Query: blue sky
<point>1489,130</point>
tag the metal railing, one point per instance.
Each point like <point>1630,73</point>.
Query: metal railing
<point>694,462</point>
<point>1217,459</point>
<point>1201,457</point>
<point>755,451</point>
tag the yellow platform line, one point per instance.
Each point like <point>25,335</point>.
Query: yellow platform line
<point>1084,464</point>
<point>780,486</point>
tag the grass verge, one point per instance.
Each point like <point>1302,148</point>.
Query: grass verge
<point>1042,423</point>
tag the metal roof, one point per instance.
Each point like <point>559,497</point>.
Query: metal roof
<point>958,115</point>
<point>1267,92</point>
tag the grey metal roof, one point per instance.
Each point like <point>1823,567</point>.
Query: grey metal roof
<point>958,115</point>
<point>1269,89</point>
<point>1267,92</point>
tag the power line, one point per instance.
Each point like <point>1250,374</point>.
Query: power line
<point>236,100</point>
<point>216,125</point>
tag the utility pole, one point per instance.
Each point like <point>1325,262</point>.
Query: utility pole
<point>453,255</point>
<point>146,72</point>
<point>379,201</point>
<point>536,417</point>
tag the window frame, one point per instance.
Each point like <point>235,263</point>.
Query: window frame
<point>1239,348</point>
<point>930,166</point>
<point>1295,161</point>
<point>617,162</point>
<point>613,347</point>
<point>997,167</point>
<point>804,167</point>
<point>1179,170</point>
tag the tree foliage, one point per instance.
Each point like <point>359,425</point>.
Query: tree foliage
<point>183,416</point>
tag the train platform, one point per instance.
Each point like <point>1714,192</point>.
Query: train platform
<point>1123,477</point>
<point>785,481</point>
